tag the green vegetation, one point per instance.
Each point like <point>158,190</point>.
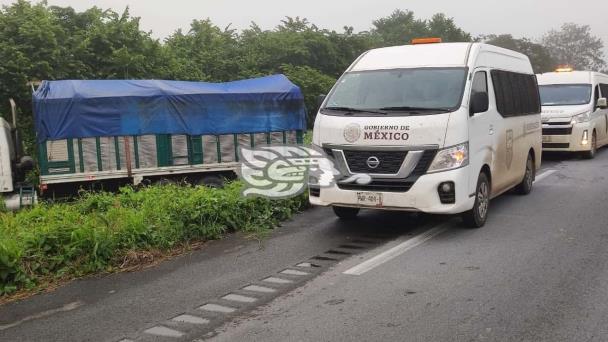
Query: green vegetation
<point>98,231</point>
<point>43,42</point>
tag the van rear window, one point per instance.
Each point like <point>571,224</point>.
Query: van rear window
<point>516,94</point>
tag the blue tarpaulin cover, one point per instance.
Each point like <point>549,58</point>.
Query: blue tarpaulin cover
<point>84,109</point>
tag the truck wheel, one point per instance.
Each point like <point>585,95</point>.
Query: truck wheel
<point>591,153</point>
<point>525,187</point>
<point>345,213</point>
<point>165,182</point>
<point>212,181</point>
<point>476,217</point>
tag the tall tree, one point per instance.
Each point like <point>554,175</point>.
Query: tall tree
<point>575,45</point>
<point>205,53</point>
<point>540,56</point>
<point>445,28</point>
<point>312,83</point>
<point>38,42</point>
<point>295,41</point>
<point>30,41</point>
<point>402,26</point>
<point>399,28</point>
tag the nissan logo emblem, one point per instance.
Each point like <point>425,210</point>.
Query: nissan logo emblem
<point>373,162</point>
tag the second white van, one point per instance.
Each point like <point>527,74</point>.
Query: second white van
<point>440,128</point>
<point>574,111</point>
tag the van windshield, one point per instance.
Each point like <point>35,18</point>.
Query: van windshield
<point>565,94</point>
<point>405,91</point>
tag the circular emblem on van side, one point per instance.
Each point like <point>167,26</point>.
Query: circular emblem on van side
<point>352,133</point>
<point>373,162</point>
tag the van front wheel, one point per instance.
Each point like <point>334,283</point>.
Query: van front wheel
<point>592,149</point>
<point>476,217</point>
<point>346,213</point>
<point>525,187</point>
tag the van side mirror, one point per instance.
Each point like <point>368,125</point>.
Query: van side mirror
<point>480,103</point>
<point>602,103</point>
<point>320,100</point>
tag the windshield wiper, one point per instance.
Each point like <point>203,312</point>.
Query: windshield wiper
<point>414,109</point>
<point>350,111</point>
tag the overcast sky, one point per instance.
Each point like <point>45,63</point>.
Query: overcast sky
<point>530,18</point>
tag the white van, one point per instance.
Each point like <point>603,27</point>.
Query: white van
<point>440,128</point>
<point>574,111</point>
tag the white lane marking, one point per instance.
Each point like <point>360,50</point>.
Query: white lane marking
<point>294,272</point>
<point>65,308</point>
<point>238,298</point>
<point>217,308</point>
<point>164,332</point>
<point>395,251</point>
<point>544,175</point>
<point>256,288</point>
<point>276,280</point>
<point>304,265</point>
<point>190,319</point>
<point>411,243</point>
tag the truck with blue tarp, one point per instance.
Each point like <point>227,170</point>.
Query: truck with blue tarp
<point>101,134</point>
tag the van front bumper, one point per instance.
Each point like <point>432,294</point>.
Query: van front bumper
<point>572,142</point>
<point>423,196</point>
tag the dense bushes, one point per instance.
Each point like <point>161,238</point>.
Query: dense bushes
<point>39,41</point>
<point>96,232</point>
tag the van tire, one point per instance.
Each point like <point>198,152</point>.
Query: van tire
<point>345,213</point>
<point>477,217</point>
<point>525,187</point>
<point>591,153</point>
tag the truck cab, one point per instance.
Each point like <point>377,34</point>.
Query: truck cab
<point>7,157</point>
<point>13,167</point>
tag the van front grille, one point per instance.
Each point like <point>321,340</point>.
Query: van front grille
<point>396,185</point>
<point>556,145</point>
<point>557,131</point>
<point>382,185</point>
<point>390,161</point>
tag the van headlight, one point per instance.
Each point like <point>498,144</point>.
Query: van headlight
<point>451,158</point>
<point>584,117</point>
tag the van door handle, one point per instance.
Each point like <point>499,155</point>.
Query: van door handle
<point>491,130</point>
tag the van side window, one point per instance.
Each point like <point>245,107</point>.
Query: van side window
<point>480,83</point>
<point>516,94</point>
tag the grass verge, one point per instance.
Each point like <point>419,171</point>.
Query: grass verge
<point>105,232</point>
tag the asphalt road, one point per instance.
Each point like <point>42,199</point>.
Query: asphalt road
<point>537,272</point>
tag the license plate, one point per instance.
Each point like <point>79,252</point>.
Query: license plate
<point>546,138</point>
<point>373,199</point>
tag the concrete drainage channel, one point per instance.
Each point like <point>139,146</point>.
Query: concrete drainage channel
<point>200,322</point>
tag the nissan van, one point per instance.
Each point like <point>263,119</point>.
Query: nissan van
<point>434,127</point>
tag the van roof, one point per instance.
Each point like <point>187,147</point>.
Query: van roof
<point>443,55</point>
<point>573,77</point>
